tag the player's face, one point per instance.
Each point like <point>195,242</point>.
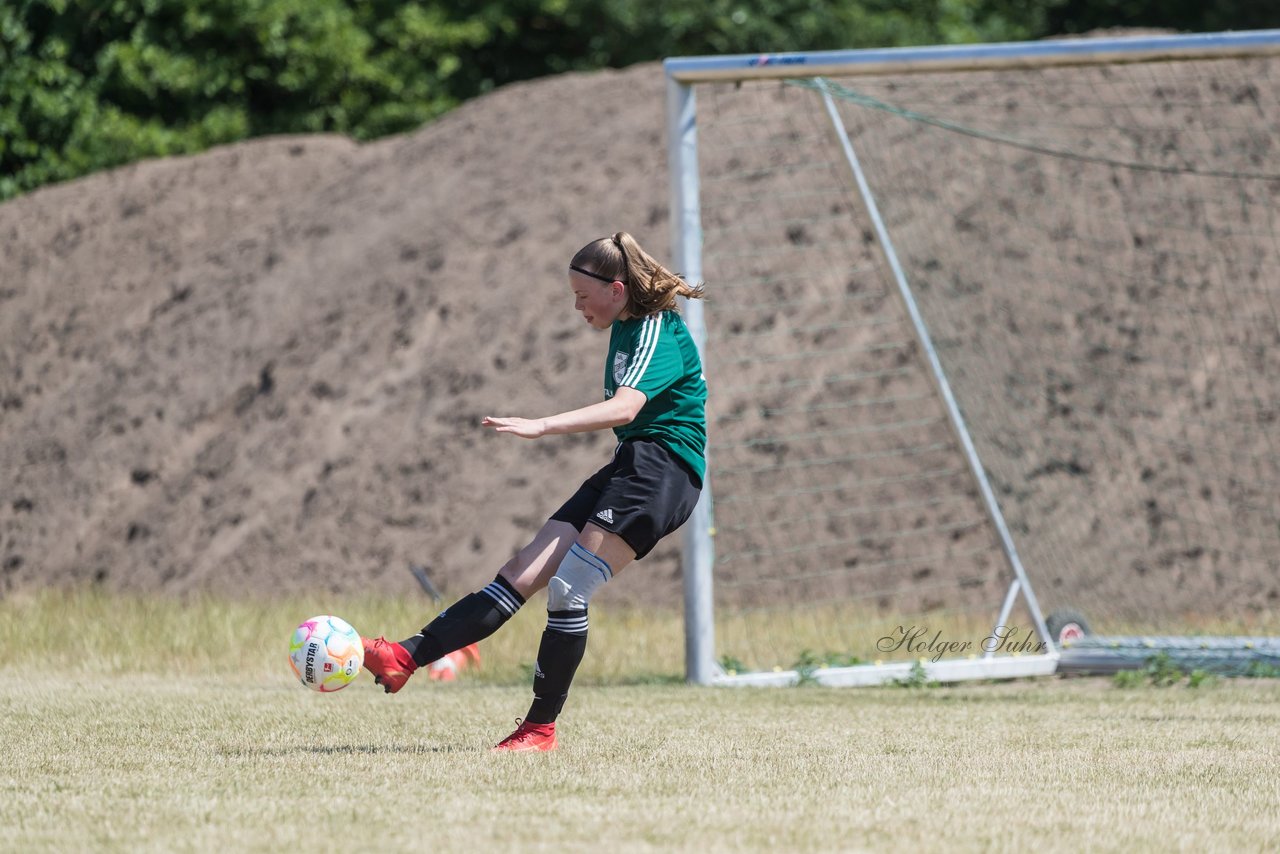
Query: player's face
<point>599,302</point>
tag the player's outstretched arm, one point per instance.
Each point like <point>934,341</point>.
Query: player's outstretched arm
<point>621,409</point>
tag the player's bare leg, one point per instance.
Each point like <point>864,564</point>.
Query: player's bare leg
<point>606,545</point>
<point>535,564</point>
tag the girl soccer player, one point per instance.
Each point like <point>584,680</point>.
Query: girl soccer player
<point>654,399</point>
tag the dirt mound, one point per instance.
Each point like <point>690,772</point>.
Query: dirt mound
<point>230,371</point>
<point>269,362</point>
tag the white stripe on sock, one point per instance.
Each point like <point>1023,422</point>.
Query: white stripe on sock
<point>502,598</point>
<point>571,624</point>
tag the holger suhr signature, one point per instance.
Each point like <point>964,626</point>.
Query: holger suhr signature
<point>918,641</point>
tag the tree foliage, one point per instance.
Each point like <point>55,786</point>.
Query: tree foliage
<point>1080,16</point>
<point>88,84</point>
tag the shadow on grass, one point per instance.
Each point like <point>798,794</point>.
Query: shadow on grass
<point>347,749</point>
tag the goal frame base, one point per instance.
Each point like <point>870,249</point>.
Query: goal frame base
<point>896,672</point>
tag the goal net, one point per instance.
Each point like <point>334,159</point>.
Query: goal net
<point>992,335</point>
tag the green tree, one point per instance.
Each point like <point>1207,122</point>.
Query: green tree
<point>86,85</point>
<point>531,38</point>
<point>89,84</point>
<point>1079,16</point>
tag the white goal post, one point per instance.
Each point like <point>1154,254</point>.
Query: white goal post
<point>868,422</point>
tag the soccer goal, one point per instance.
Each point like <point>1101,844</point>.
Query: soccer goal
<point>992,340</point>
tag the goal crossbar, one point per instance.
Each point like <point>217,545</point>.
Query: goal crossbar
<point>975,57</point>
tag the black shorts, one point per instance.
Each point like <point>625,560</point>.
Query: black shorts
<point>643,494</point>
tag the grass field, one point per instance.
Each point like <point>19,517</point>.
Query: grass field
<point>148,725</point>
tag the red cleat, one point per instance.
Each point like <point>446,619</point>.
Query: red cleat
<point>529,738</point>
<point>390,663</point>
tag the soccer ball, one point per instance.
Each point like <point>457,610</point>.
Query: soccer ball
<point>326,653</point>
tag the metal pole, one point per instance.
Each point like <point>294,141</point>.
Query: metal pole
<point>942,59</point>
<point>686,250</point>
<point>1003,619</point>
<point>935,367</point>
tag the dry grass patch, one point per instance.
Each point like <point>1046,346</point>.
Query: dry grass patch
<point>148,725</point>
<point>151,763</point>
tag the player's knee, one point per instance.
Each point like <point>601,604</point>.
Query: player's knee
<point>581,573</point>
<point>562,597</point>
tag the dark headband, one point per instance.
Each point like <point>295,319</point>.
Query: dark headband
<point>601,278</point>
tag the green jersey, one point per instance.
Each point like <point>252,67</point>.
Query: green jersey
<point>656,356</point>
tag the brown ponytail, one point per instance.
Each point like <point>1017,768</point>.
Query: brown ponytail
<point>651,287</point>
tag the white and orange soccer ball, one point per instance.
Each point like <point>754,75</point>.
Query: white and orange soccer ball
<point>326,653</point>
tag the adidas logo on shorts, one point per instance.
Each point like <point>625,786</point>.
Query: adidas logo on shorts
<point>606,515</point>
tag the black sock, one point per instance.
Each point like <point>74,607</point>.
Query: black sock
<point>564,642</point>
<point>472,618</point>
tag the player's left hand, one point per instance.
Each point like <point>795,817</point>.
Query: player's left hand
<point>526,428</point>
